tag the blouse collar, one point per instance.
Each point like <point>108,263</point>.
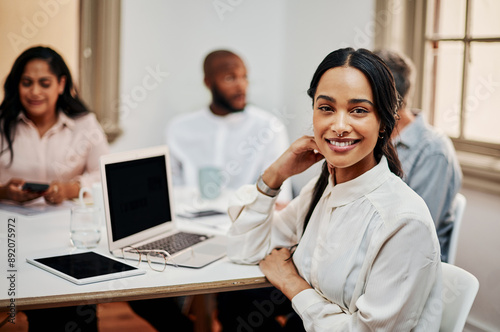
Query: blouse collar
<point>62,120</point>
<point>348,192</point>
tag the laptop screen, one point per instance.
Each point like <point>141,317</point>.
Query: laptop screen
<point>137,195</point>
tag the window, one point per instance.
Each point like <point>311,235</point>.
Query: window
<point>461,76</point>
<point>455,45</point>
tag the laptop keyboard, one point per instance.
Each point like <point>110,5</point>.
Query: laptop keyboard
<point>175,242</point>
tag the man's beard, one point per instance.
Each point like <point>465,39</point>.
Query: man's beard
<point>220,100</point>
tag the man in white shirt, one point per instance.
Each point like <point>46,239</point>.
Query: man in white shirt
<point>237,139</point>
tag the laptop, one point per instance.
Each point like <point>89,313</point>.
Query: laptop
<point>139,209</point>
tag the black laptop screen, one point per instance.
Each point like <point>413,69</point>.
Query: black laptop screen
<point>138,195</point>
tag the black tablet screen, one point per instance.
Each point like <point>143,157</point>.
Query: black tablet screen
<point>85,265</point>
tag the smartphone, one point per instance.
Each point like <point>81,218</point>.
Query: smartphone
<point>35,187</point>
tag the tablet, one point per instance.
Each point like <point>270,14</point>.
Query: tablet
<point>85,267</point>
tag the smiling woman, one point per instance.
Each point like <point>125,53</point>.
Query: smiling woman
<point>346,123</point>
<point>46,133</point>
<point>367,256</point>
<point>39,90</point>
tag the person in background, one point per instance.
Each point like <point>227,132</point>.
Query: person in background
<point>48,135</point>
<point>430,164</point>
<point>240,140</point>
<point>357,249</point>
<point>46,132</point>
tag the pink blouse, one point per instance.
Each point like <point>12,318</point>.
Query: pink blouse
<point>69,151</point>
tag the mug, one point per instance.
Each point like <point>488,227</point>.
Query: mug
<point>210,182</point>
<point>95,192</point>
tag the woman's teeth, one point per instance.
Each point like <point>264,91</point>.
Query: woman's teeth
<point>340,144</point>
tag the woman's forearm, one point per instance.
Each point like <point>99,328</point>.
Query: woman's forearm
<point>293,286</point>
<point>272,177</point>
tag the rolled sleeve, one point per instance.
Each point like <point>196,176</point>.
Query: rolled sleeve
<point>250,233</point>
<point>317,312</point>
<point>257,228</point>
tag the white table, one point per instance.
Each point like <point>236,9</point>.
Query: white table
<point>48,233</point>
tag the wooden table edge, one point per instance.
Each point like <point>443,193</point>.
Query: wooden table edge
<point>133,294</point>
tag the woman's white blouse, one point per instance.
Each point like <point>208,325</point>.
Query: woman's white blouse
<point>370,252</point>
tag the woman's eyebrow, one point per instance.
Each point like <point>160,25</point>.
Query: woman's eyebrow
<point>360,100</point>
<point>43,78</point>
<point>326,97</point>
<point>351,101</point>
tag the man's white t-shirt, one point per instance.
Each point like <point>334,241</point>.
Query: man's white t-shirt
<point>241,145</point>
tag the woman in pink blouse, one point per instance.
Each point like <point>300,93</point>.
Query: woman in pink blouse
<point>46,132</point>
<point>48,135</point>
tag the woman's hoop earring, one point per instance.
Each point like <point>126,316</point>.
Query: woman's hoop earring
<point>381,134</point>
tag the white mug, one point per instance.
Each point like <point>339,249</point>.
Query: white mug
<point>97,199</point>
<point>95,192</point>
<point>209,182</point>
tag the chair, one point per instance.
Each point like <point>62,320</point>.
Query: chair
<point>459,291</point>
<point>459,204</point>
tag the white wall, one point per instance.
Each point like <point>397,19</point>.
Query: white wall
<point>281,41</point>
<point>26,23</point>
<point>175,36</point>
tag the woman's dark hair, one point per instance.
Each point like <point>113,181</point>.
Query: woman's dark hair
<point>403,71</point>
<point>68,102</point>
<point>385,99</point>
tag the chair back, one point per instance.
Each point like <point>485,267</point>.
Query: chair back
<point>459,291</point>
<point>459,204</point>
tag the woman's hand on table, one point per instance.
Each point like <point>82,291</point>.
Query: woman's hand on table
<point>280,270</point>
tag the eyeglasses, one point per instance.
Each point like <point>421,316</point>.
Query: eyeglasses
<point>157,259</point>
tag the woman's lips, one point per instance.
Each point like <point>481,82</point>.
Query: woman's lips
<point>35,102</point>
<point>342,145</point>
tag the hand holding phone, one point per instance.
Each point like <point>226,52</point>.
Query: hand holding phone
<point>35,187</point>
